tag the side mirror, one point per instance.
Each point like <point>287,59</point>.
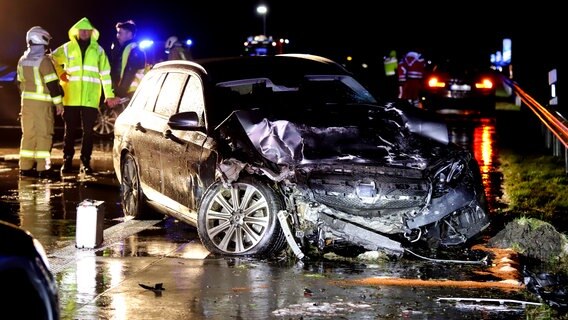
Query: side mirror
<point>188,121</point>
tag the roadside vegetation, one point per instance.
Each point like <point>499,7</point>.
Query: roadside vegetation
<point>535,186</point>
<point>535,191</point>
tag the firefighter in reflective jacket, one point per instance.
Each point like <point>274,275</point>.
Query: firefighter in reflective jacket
<point>40,91</point>
<point>127,60</point>
<point>84,70</point>
<point>410,74</point>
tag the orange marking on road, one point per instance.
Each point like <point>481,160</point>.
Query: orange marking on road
<point>505,285</point>
<point>503,266</point>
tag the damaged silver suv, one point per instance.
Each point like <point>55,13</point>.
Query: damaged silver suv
<point>261,153</point>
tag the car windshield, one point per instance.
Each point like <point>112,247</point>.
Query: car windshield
<point>460,65</point>
<point>321,90</point>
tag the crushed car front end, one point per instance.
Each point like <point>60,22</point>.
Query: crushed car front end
<point>339,165</point>
<point>368,181</point>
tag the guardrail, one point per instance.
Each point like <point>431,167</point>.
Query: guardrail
<point>554,123</point>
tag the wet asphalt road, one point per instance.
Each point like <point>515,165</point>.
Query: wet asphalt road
<point>113,281</point>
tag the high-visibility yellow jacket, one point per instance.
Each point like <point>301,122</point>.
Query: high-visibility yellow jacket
<point>89,75</point>
<point>132,68</point>
<point>391,63</point>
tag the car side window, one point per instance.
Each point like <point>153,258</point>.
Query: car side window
<point>192,99</point>
<point>148,91</point>
<point>168,100</point>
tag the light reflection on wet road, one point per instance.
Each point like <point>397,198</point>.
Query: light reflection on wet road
<point>104,283</point>
<point>479,136</point>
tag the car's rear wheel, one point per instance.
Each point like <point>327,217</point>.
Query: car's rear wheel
<point>241,219</point>
<point>104,125</point>
<point>132,197</point>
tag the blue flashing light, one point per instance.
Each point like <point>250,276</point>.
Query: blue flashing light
<point>146,44</point>
<point>8,77</point>
<point>188,42</point>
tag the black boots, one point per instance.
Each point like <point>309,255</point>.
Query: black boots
<point>86,165</point>
<point>67,166</point>
<point>48,175</point>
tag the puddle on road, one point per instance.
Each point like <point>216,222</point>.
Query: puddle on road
<point>49,209</point>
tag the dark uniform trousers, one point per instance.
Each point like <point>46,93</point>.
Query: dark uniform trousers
<point>75,117</point>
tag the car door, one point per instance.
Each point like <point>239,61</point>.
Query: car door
<point>144,131</point>
<point>153,128</point>
<point>183,152</point>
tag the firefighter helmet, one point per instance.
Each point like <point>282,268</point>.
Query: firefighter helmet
<point>171,41</point>
<point>38,35</point>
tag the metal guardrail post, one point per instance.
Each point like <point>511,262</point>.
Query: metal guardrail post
<point>566,160</point>
<point>557,147</point>
<point>548,137</point>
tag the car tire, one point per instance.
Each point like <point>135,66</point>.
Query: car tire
<point>241,220</point>
<point>104,124</point>
<point>132,198</point>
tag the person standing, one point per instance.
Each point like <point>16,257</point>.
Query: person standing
<point>410,76</point>
<point>127,60</point>
<point>176,50</point>
<point>84,70</point>
<point>390,63</point>
<point>40,91</point>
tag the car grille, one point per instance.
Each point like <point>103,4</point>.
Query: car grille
<point>369,191</point>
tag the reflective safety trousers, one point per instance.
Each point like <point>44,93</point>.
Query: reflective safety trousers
<point>37,118</point>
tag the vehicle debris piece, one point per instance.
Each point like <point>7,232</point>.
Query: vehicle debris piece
<point>156,287</point>
<point>489,300</point>
<point>550,288</point>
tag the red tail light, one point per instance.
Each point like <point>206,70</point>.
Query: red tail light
<point>485,83</point>
<point>434,82</point>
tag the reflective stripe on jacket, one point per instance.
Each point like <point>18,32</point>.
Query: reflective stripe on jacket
<point>411,67</point>
<point>33,69</point>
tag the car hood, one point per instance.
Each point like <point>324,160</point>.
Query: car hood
<point>334,134</point>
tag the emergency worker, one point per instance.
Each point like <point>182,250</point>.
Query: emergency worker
<point>390,63</point>
<point>84,70</point>
<point>410,76</point>
<point>127,60</point>
<point>176,50</point>
<point>40,91</point>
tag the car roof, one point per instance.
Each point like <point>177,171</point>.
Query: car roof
<point>282,66</point>
<point>177,64</point>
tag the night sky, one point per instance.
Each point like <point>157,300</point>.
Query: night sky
<point>335,29</point>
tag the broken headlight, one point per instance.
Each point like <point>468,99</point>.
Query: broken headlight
<point>447,177</point>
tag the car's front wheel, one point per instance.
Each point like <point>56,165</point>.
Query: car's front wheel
<point>241,219</point>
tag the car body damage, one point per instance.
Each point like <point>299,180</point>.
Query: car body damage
<point>369,181</point>
<point>261,153</point>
